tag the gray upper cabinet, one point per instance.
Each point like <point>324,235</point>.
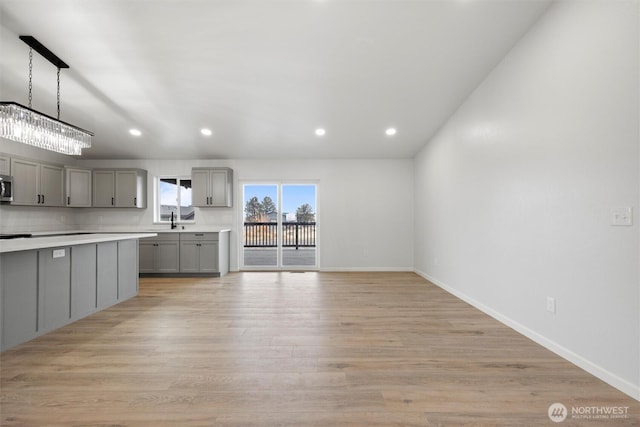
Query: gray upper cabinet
<point>37,184</point>
<point>5,165</point>
<point>78,187</point>
<point>212,187</point>
<point>131,188</point>
<point>120,188</point>
<point>104,188</point>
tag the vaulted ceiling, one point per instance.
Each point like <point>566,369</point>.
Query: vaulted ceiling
<point>263,75</point>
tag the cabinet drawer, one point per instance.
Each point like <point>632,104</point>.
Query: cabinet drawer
<point>198,236</point>
<point>164,237</point>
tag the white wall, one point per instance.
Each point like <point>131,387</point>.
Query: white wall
<point>513,195</point>
<point>365,207</point>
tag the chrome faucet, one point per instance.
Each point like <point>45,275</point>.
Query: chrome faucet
<point>173,224</point>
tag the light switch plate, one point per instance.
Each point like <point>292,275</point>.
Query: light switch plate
<point>622,216</point>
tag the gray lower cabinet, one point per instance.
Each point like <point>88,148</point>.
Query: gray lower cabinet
<point>19,297</point>
<point>41,290</point>
<point>84,298</point>
<point>199,252</point>
<point>160,254</point>
<point>54,286</point>
<point>127,269</point>
<point>107,274</point>
<point>185,253</point>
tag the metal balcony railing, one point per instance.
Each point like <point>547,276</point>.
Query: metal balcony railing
<point>265,234</point>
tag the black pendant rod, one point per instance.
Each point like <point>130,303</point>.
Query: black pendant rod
<point>42,50</point>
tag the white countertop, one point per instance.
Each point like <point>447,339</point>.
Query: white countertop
<point>41,241</point>
<point>154,229</point>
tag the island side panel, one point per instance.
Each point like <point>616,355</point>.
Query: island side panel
<point>19,297</point>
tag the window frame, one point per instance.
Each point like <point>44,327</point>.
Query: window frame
<point>157,200</point>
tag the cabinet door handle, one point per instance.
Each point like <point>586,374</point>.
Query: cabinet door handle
<point>68,200</point>
<point>112,201</point>
<point>43,199</point>
<point>135,201</point>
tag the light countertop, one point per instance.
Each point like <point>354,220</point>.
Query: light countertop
<point>42,241</point>
<point>154,229</point>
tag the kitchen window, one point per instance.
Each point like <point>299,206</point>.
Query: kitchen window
<point>174,196</point>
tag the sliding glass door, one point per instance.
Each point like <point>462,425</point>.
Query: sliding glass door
<point>280,226</point>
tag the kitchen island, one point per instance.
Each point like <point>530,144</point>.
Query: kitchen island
<point>49,281</point>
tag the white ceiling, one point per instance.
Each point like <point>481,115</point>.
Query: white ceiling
<point>262,74</point>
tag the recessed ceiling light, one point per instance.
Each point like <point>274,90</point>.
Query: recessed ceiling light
<point>320,132</point>
<point>135,132</point>
<point>390,131</point>
<point>206,132</point>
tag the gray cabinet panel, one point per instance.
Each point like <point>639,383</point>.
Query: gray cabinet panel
<point>19,297</point>
<point>189,257</point>
<point>54,283</point>
<point>5,165</point>
<point>159,256</point>
<point>127,269</point>
<point>83,280</point>
<point>37,184</point>
<point>26,182</point>
<point>120,188</point>
<point>208,257</point>
<point>200,187</point>
<point>167,257</point>
<point>220,188</point>
<point>126,189</point>
<point>147,257</point>
<point>212,187</point>
<point>51,185</point>
<point>103,188</point>
<point>78,187</point>
<point>107,274</point>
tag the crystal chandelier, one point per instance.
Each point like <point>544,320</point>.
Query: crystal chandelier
<point>23,124</point>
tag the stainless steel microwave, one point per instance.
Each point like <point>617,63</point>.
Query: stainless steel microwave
<point>6,188</point>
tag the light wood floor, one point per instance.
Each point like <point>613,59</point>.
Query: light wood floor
<point>293,349</point>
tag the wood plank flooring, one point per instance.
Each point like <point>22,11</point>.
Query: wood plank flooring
<point>293,349</point>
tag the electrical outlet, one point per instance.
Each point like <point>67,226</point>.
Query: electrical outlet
<point>58,253</point>
<point>551,305</point>
<point>622,216</point>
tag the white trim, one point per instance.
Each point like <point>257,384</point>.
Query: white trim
<point>241,183</point>
<point>366,269</point>
<point>595,370</point>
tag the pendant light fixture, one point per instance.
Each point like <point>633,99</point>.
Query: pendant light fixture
<point>23,124</point>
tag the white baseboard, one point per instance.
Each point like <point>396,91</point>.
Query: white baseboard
<point>365,269</point>
<point>595,370</point>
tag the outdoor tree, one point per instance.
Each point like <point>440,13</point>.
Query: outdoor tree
<point>253,210</point>
<point>268,207</point>
<point>305,213</point>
